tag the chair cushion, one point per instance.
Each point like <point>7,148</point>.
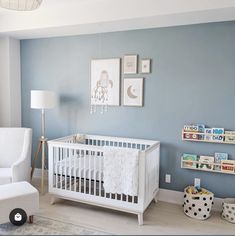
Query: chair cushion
<point>5,176</point>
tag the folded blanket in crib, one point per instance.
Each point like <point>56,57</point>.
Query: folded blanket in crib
<point>121,170</point>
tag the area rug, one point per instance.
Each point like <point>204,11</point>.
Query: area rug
<point>45,226</point>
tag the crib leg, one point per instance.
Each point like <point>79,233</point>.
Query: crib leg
<point>140,219</point>
<point>155,199</point>
<point>53,200</point>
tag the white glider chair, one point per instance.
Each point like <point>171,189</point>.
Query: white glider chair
<point>15,154</point>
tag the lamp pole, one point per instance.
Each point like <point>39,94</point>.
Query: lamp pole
<point>43,141</point>
<point>41,99</point>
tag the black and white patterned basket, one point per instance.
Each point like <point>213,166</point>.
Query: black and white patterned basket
<point>198,206</point>
<point>228,212</point>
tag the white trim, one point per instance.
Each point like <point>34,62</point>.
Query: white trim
<point>177,197</point>
<point>164,195</point>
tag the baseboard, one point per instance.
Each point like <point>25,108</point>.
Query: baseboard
<point>177,197</point>
<point>164,195</point>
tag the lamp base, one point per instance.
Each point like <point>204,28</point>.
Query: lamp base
<point>42,144</point>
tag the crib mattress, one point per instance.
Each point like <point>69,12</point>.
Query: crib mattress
<point>82,167</point>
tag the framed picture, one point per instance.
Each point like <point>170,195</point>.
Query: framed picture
<point>145,66</point>
<point>133,92</point>
<point>105,82</point>
<point>130,64</point>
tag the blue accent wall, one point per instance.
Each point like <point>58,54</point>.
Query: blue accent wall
<point>192,81</point>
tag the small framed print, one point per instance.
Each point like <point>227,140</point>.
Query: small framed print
<point>130,64</point>
<point>145,66</point>
<point>133,92</point>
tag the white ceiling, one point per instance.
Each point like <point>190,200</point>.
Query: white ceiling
<point>72,17</point>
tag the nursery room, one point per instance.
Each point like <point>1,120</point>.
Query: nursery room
<point>116,117</point>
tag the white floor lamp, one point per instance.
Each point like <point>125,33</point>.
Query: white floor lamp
<point>41,99</point>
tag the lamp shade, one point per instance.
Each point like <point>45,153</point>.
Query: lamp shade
<point>20,5</point>
<point>42,99</point>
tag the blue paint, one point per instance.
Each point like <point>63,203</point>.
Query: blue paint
<point>192,81</point>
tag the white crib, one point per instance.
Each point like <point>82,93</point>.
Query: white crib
<point>76,172</point>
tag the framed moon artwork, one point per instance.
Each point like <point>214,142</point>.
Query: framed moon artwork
<point>133,92</point>
<point>105,82</point>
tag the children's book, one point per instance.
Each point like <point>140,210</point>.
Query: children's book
<point>208,137</point>
<point>217,137</point>
<point>228,166</point>
<point>206,162</point>
<point>230,139</point>
<point>220,157</point>
<point>188,160</point>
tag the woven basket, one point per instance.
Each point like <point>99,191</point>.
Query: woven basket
<point>228,212</point>
<point>198,206</point>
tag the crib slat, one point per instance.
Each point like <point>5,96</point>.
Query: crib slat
<point>74,170</point>
<point>80,175</point>
<point>133,199</point>
<point>56,169</point>
<point>89,159</point>
<point>95,158</point>
<point>70,169</point>
<point>65,167</point>
<point>61,169</point>
<point>84,171</point>
<point>100,162</point>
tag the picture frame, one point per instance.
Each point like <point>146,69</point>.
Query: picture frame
<point>130,63</point>
<point>145,66</point>
<point>133,92</point>
<point>105,81</point>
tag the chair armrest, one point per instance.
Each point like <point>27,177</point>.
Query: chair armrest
<point>21,168</point>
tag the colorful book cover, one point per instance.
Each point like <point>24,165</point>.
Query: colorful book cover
<point>191,136</point>
<point>201,128</point>
<point>220,157</point>
<point>188,160</point>
<point>191,128</point>
<point>194,128</point>
<point>228,166</point>
<point>218,137</point>
<point>230,139</point>
<point>208,137</point>
<point>206,162</point>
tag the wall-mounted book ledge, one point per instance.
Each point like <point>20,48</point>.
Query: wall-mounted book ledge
<point>210,167</point>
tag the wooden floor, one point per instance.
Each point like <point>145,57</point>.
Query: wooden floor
<point>159,219</point>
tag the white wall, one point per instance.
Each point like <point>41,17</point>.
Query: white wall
<point>10,83</point>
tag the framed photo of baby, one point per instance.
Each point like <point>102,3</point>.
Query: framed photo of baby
<point>105,82</point>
